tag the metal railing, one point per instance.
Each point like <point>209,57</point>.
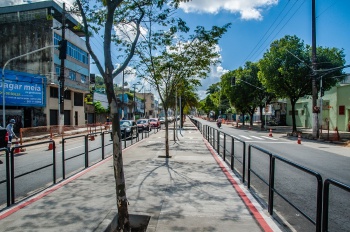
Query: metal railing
<point>219,143</point>
<point>12,167</point>
<point>212,135</point>
<point>87,140</point>
<point>327,184</point>
<point>272,189</point>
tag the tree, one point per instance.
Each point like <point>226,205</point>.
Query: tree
<point>285,69</point>
<point>189,99</point>
<point>177,60</point>
<point>104,17</point>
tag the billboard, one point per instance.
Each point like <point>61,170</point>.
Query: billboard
<point>23,89</point>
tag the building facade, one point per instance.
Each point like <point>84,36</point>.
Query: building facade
<point>334,113</point>
<point>31,27</point>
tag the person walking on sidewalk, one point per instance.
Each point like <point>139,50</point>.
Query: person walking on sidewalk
<point>10,132</point>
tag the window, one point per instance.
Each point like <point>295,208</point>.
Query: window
<point>72,75</point>
<point>73,51</point>
<point>78,99</point>
<point>67,94</point>
<point>53,92</point>
<point>291,112</point>
<point>58,70</point>
<point>83,78</point>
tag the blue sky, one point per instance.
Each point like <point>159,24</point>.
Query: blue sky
<point>255,24</point>
<point>251,34</point>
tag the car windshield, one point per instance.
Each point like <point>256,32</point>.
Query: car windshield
<point>141,122</point>
<point>125,123</point>
<point>152,120</point>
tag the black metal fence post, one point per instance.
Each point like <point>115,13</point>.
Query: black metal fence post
<point>86,151</point>
<point>63,160</point>
<point>103,145</point>
<point>224,154</point>
<point>54,161</point>
<point>232,153</point>
<point>271,183</point>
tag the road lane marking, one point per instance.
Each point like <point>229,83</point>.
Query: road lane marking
<point>269,138</point>
<point>245,137</point>
<point>256,137</point>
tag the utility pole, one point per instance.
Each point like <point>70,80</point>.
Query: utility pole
<point>315,109</point>
<point>123,97</point>
<point>62,56</point>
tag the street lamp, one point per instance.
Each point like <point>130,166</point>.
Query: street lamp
<point>134,85</point>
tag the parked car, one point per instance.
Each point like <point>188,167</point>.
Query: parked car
<point>3,137</point>
<point>162,120</point>
<point>154,122</point>
<point>170,118</point>
<point>128,128</point>
<point>143,124</point>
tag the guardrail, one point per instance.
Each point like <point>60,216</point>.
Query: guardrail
<point>12,172</point>
<point>12,167</point>
<point>219,143</point>
<point>272,189</point>
<point>327,184</point>
<point>7,176</point>
<point>224,150</point>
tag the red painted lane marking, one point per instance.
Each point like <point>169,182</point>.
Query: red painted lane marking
<point>55,187</point>
<point>258,217</point>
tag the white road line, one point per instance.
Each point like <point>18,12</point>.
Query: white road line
<point>256,137</point>
<point>269,138</point>
<point>244,137</point>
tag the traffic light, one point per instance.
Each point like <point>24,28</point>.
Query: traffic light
<point>92,78</point>
<point>62,49</point>
<point>322,92</point>
<point>233,81</point>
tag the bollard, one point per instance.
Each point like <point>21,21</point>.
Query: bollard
<point>270,134</point>
<point>299,138</point>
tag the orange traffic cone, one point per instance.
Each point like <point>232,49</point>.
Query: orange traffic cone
<point>50,144</point>
<point>299,138</point>
<point>270,134</point>
<point>92,137</point>
<point>16,147</point>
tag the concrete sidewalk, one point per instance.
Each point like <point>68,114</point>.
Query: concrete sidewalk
<point>193,190</point>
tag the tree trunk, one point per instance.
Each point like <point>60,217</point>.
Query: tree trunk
<point>262,120</point>
<point>122,202</point>
<point>294,130</point>
<point>166,134</point>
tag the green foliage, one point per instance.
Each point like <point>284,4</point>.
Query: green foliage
<point>99,109</point>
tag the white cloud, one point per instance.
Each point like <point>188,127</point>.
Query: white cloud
<point>128,31</point>
<point>213,77</point>
<point>248,9</point>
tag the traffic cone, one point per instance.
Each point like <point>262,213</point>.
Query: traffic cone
<point>92,137</point>
<point>16,147</point>
<point>270,135</point>
<point>299,138</point>
<point>50,144</point>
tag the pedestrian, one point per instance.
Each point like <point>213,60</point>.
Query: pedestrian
<point>10,132</point>
<point>108,120</point>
